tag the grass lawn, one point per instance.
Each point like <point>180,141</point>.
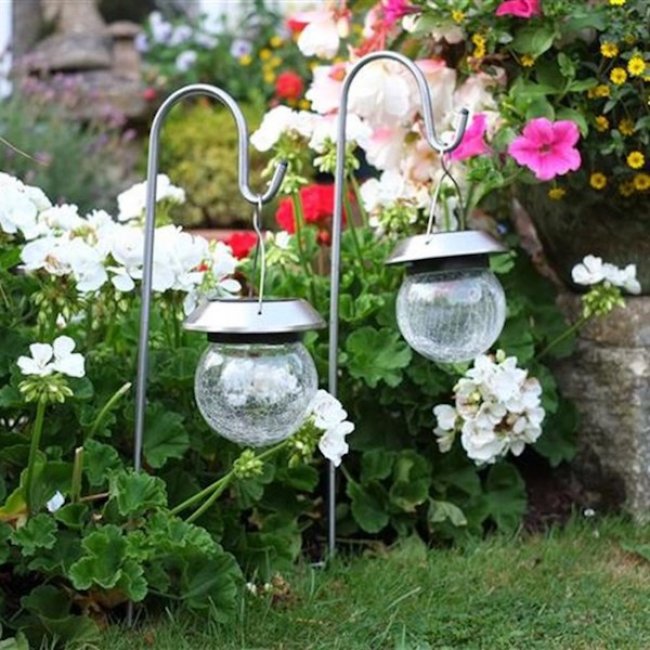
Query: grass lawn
<point>586,586</point>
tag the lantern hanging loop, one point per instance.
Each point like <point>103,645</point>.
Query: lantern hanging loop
<point>435,198</point>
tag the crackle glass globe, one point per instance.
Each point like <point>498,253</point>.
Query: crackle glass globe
<point>451,316</point>
<point>255,394</point>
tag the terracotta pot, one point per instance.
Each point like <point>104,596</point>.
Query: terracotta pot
<point>593,223</point>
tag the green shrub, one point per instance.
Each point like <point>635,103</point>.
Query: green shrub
<point>199,152</point>
<point>72,161</point>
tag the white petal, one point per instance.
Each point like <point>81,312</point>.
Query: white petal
<point>63,346</point>
<point>55,502</point>
<point>72,365</point>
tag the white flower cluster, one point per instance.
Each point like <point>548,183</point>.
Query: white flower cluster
<point>95,250</point>
<point>47,359</point>
<point>497,409</point>
<point>331,418</point>
<point>592,270</point>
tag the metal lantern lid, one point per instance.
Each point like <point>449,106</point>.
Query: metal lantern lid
<point>242,320</point>
<point>441,247</point>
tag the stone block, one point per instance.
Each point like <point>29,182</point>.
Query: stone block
<point>608,378</point>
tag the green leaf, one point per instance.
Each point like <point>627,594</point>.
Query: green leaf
<point>533,40</point>
<point>505,496</point>
<point>369,506</point>
<point>574,116</point>
<point>38,532</point>
<point>412,478</point>
<point>5,534</point>
<point>100,460</point>
<point>376,464</point>
<point>105,564</point>
<point>557,443</point>
<point>440,511</point>
<point>49,610</point>
<point>165,436</point>
<point>73,515</point>
<point>516,339</point>
<point>214,580</point>
<point>136,492</point>
<point>377,355</point>
<point>18,642</point>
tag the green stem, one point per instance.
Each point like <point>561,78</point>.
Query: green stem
<point>558,339</point>
<point>220,484</point>
<point>357,195</point>
<point>75,486</point>
<point>353,231</point>
<point>299,219</point>
<point>119,393</point>
<point>37,431</point>
<point>211,499</point>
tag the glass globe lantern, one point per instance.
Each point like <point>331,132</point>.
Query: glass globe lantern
<point>450,307</point>
<point>255,380</point>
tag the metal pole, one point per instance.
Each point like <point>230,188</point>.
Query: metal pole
<point>337,221</point>
<point>150,223</point>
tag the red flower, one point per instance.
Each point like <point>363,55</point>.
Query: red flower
<point>289,85</point>
<point>149,94</point>
<point>317,203</point>
<point>297,23</point>
<point>241,242</point>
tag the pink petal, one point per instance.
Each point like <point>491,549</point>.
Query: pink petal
<point>472,143</point>
<point>539,131</point>
<point>519,8</point>
<point>566,132</point>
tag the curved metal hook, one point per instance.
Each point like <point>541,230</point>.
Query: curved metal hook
<point>150,222</point>
<point>436,144</point>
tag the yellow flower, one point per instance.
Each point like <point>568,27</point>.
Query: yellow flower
<point>275,62</point>
<point>635,159</point>
<point>479,42</point>
<point>609,50</point>
<point>269,77</point>
<point>598,180</point>
<point>457,16</point>
<point>636,66</point>
<point>626,126</point>
<point>245,59</point>
<point>599,91</point>
<point>556,193</point>
<point>617,3</point>
<point>618,76</point>
<point>626,189</point>
<point>642,182</point>
<point>527,60</point>
<point>304,104</point>
<point>602,123</point>
<point>265,54</point>
<point>276,41</point>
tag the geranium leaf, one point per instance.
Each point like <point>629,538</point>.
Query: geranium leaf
<point>440,511</point>
<point>377,355</point>
<point>99,461</point>
<point>38,532</point>
<point>505,496</point>
<point>136,492</point>
<point>165,436</point>
<point>368,506</point>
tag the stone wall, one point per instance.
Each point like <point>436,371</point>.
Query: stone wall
<point>608,378</point>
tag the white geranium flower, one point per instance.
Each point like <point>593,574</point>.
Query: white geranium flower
<point>623,278</point>
<point>60,219</point>
<point>274,124</point>
<point>330,417</point>
<point>39,363</point>
<point>132,202</point>
<point>446,416</point>
<point>589,271</point>
<point>497,410</point>
<point>321,37</point>
<point>66,361</point>
<point>332,443</point>
<point>324,130</point>
<point>17,212</point>
<point>55,502</point>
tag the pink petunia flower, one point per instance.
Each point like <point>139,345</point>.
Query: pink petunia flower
<point>472,143</point>
<point>519,8</point>
<point>547,148</point>
<point>396,9</point>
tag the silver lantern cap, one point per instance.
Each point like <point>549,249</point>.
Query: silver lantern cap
<point>243,317</point>
<point>444,245</point>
